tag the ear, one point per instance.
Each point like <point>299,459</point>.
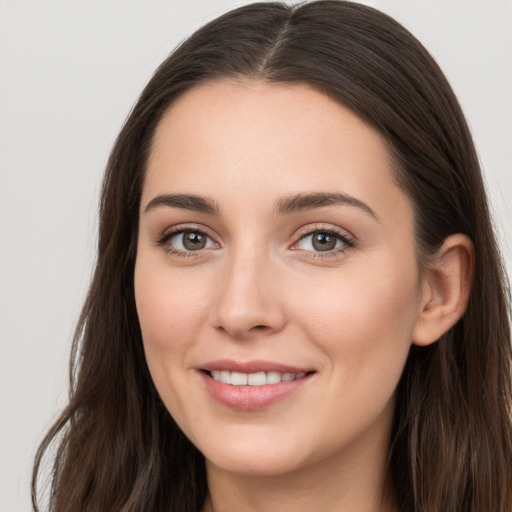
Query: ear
<point>446,288</point>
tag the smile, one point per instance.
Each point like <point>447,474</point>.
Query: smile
<point>254,379</point>
<point>252,385</point>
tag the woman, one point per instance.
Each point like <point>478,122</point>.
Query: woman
<point>298,302</point>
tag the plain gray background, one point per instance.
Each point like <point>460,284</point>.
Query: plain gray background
<point>69,73</point>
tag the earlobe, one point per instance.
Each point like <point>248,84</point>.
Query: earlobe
<point>445,290</point>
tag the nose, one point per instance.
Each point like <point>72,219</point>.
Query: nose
<point>249,301</point>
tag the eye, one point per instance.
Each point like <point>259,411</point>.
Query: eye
<point>323,240</point>
<point>187,240</point>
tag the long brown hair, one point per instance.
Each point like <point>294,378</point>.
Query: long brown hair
<point>117,446</point>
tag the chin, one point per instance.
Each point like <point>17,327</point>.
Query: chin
<point>255,459</point>
<point>256,466</point>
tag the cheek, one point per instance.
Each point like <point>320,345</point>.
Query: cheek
<point>171,314</point>
<point>169,308</point>
<point>364,327</point>
<point>363,320</point>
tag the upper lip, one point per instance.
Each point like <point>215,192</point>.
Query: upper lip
<point>253,366</point>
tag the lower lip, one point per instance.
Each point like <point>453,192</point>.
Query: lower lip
<point>249,398</point>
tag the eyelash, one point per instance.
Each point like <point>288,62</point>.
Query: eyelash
<point>347,240</point>
<point>177,230</point>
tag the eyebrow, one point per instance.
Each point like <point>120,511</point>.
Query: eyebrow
<point>184,202</point>
<point>283,206</point>
<point>301,202</point>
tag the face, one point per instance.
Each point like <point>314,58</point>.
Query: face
<point>276,278</point>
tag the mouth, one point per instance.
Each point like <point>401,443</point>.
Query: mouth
<point>254,379</point>
<point>254,385</point>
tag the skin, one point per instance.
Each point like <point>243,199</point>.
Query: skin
<point>258,291</point>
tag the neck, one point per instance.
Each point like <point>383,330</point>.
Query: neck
<point>352,481</point>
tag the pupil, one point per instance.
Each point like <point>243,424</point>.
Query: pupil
<point>193,241</point>
<point>323,242</point>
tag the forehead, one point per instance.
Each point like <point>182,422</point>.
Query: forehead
<point>255,140</point>
<point>248,111</point>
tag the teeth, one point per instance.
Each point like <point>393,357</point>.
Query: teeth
<point>257,379</point>
<point>238,379</point>
<point>273,377</point>
<point>254,379</point>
